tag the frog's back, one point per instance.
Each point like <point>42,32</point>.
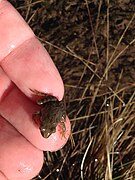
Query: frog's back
<point>53,112</point>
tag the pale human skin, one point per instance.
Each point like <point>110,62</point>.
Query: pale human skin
<point>24,65</point>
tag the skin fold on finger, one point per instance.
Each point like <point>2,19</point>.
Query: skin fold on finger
<point>2,176</point>
<point>20,116</point>
<point>19,159</point>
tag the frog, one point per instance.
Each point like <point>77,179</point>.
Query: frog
<point>51,114</point>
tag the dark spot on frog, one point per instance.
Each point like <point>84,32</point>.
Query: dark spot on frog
<point>51,114</point>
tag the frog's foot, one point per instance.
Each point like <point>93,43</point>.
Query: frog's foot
<point>36,117</point>
<point>37,93</point>
<point>62,129</point>
<point>45,97</point>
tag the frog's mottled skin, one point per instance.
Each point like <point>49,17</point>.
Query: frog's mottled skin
<point>51,114</point>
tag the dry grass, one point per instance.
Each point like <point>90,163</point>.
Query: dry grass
<point>93,46</point>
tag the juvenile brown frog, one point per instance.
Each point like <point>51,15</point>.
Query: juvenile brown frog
<point>51,114</point>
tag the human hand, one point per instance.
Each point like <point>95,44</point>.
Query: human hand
<point>24,65</point>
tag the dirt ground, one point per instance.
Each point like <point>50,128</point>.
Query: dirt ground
<point>93,46</point>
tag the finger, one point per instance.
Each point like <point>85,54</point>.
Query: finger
<point>18,158</point>
<point>30,67</point>
<point>23,58</point>
<point>20,116</point>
